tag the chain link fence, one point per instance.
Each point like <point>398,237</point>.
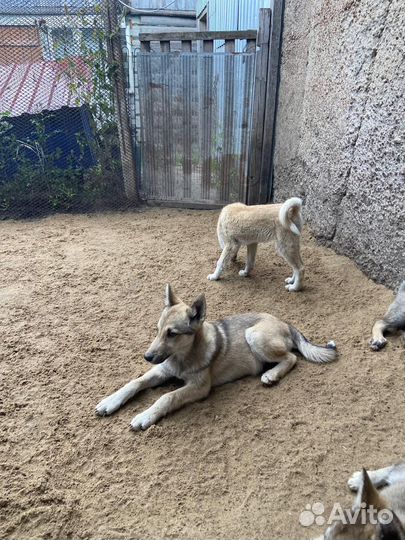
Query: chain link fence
<point>63,127</point>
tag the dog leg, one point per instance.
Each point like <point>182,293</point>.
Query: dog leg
<point>168,403</point>
<point>378,340</point>
<point>291,254</point>
<point>223,261</point>
<point>379,478</point>
<point>235,255</point>
<point>268,346</point>
<point>274,375</point>
<point>250,261</point>
<point>110,404</point>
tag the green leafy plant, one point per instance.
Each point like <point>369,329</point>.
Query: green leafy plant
<point>37,182</point>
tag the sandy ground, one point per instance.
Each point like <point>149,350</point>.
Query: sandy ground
<point>80,297</point>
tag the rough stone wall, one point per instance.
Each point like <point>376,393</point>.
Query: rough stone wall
<point>340,140</point>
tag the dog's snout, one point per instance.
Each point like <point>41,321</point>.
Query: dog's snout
<point>149,356</point>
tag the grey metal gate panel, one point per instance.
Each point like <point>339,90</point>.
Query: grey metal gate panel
<point>195,116</point>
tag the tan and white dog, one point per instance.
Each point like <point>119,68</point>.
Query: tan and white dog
<point>240,225</point>
<point>206,354</point>
<point>382,493</point>
<point>393,321</point>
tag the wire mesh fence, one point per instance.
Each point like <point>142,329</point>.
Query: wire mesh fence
<point>59,135</point>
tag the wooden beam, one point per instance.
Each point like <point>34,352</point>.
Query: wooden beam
<point>162,12</point>
<point>197,36</point>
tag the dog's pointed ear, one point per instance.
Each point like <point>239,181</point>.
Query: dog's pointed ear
<point>368,494</point>
<point>393,530</point>
<point>170,298</point>
<point>197,311</point>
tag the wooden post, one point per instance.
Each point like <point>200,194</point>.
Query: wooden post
<point>273,80</point>
<point>257,185</point>
<point>115,58</point>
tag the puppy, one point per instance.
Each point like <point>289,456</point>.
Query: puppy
<point>239,225</point>
<point>393,321</point>
<point>205,354</point>
<point>378,491</point>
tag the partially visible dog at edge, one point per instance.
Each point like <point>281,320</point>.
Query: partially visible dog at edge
<point>206,354</point>
<point>393,321</point>
<point>383,492</point>
<point>239,225</point>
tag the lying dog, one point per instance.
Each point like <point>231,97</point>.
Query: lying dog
<point>390,496</point>
<point>239,225</point>
<point>393,321</point>
<point>206,354</point>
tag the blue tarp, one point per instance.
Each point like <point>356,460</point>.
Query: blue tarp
<point>63,129</point>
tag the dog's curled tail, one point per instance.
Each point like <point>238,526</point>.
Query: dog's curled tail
<point>290,215</point>
<point>314,353</point>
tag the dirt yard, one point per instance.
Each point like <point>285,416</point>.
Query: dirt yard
<point>80,298</point>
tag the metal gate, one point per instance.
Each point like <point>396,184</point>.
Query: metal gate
<point>202,116</point>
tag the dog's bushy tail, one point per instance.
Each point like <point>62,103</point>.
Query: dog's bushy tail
<point>290,215</point>
<point>314,353</point>
<point>394,319</point>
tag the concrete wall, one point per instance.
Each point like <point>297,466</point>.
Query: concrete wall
<point>341,127</point>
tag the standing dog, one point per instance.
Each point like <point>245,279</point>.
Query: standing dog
<point>393,321</point>
<point>206,354</point>
<point>239,225</point>
<point>391,498</point>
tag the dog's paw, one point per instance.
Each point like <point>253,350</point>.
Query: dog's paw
<point>142,421</point>
<point>212,277</point>
<point>268,380</point>
<point>289,280</point>
<point>355,481</point>
<point>108,405</point>
<point>378,344</point>
<point>243,273</point>
<point>331,345</point>
<point>292,287</point>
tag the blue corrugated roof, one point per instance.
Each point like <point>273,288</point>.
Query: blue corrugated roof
<point>42,7</point>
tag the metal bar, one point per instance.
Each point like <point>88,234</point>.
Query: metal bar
<point>187,118</point>
<point>206,121</point>
<point>228,123</point>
